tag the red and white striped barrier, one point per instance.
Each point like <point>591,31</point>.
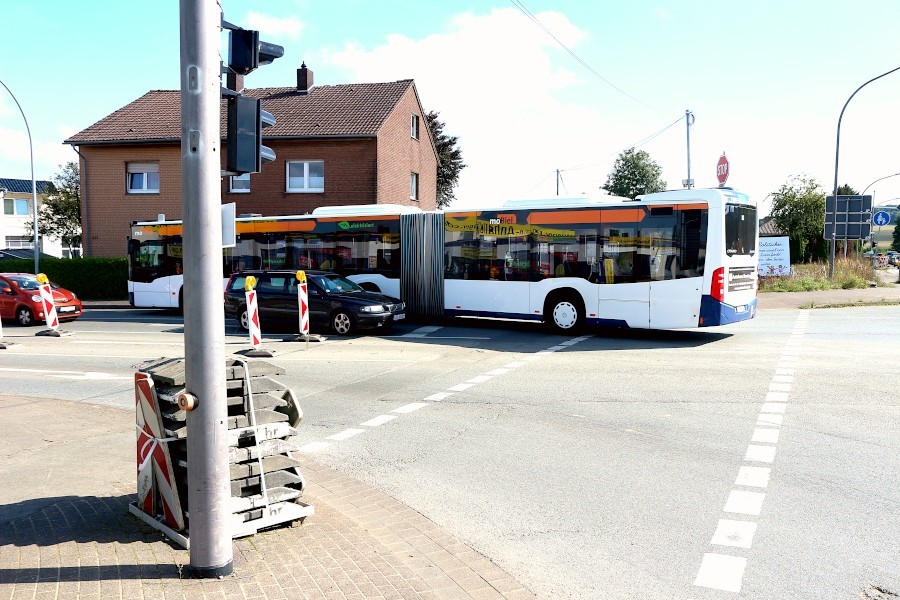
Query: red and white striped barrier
<point>303,302</point>
<point>253,319</point>
<point>47,301</point>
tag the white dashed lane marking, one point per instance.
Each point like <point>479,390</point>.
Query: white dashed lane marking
<point>724,571</point>
<point>439,396</point>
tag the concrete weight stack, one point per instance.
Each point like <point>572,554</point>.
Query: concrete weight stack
<point>266,482</point>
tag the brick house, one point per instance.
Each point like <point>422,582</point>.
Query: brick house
<point>365,143</point>
<point>15,232</point>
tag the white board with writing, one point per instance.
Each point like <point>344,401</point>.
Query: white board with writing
<point>774,256</point>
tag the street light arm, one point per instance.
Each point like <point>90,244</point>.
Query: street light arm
<point>876,181</point>
<point>34,209</point>
<point>837,152</point>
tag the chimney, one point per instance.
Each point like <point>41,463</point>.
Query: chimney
<point>304,79</point>
<point>235,82</point>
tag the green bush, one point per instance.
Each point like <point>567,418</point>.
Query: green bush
<point>89,278</point>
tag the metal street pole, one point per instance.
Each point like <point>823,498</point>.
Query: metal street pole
<point>837,152</point>
<point>209,491</point>
<point>689,120</point>
<point>34,207</point>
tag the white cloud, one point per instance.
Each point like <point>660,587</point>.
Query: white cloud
<point>493,80</point>
<point>277,27</point>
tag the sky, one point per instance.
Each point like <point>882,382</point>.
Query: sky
<point>543,95</point>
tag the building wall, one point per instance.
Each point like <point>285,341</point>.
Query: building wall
<point>357,171</point>
<point>18,226</point>
<point>399,155</point>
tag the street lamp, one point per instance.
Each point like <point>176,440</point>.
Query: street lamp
<point>837,153</point>
<point>876,181</point>
<point>34,207</point>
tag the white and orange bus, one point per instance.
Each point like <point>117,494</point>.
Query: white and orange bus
<point>670,260</point>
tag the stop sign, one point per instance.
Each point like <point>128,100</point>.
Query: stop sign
<point>722,170</point>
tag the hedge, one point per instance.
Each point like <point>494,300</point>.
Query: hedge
<point>89,278</point>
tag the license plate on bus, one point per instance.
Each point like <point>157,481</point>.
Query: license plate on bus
<point>740,309</point>
<point>399,317</point>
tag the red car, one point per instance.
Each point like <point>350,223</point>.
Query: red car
<point>20,299</point>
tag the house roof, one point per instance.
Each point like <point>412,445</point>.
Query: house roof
<point>768,228</point>
<point>348,110</point>
<point>23,186</point>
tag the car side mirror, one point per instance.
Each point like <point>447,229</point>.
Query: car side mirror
<point>6,290</point>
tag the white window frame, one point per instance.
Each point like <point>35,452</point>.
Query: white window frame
<point>239,190</point>
<point>145,169</point>
<point>414,126</point>
<point>307,189</point>
<point>15,203</point>
<point>414,186</point>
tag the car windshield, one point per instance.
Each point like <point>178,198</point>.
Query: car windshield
<point>29,283</point>
<point>335,284</point>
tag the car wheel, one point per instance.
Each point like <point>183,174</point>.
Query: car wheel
<point>564,314</point>
<point>342,323</point>
<point>24,316</point>
<point>245,318</point>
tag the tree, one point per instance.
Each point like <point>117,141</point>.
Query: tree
<point>846,190</point>
<point>798,208</point>
<point>633,174</point>
<point>895,243</point>
<point>60,212</point>
<point>450,161</point>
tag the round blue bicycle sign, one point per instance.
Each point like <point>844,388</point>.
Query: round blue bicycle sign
<point>881,218</point>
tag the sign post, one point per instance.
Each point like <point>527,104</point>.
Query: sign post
<point>722,170</point>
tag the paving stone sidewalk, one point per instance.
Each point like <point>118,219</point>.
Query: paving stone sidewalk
<point>361,543</point>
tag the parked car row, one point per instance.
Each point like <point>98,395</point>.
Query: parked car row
<point>20,299</point>
<point>335,303</point>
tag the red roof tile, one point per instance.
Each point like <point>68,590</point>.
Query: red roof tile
<point>329,110</point>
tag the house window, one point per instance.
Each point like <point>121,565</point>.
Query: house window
<point>143,178</point>
<point>15,206</point>
<point>414,186</point>
<point>239,184</point>
<point>305,176</point>
<point>19,242</point>
<point>414,127</point>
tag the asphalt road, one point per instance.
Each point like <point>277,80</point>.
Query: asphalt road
<point>754,461</point>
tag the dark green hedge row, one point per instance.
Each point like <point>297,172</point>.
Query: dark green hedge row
<point>89,278</point>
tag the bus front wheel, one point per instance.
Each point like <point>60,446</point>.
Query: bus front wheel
<point>564,314</point>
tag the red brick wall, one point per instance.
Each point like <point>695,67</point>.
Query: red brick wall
<point>357,171</point>
<point>399,155</point>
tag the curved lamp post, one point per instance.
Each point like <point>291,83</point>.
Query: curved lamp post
<point>837,153</point>
<point>34,208</point>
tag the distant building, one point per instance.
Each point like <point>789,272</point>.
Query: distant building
<point>365,143</point>
<point>15,236</point>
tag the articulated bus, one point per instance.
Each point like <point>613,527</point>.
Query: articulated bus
<point>669,260</point>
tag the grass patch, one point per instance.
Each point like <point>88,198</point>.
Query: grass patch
<point>849,273</point>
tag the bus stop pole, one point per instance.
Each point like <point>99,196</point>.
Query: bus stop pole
<point>204,318</point>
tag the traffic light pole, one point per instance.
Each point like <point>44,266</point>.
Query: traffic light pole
<point>209,491</point>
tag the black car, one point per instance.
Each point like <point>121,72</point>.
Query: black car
<point>335,302</point>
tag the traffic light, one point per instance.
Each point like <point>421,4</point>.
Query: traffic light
<point>246,118</point>
<point>246,52</point>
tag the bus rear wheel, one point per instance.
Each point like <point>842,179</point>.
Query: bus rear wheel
<point>564,313</point>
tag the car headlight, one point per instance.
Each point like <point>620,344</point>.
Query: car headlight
<point>35,298</point>
<point>373,309</point>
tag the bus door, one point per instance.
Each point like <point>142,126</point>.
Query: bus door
<point>675,238</point>
<point>623,275</point>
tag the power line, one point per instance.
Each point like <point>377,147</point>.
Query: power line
<point>637,144</point>
<point>518,4</point>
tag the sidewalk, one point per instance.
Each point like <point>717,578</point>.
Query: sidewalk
<point>67,476</point>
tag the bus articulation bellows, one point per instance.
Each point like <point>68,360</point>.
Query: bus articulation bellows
<point>670,260</point>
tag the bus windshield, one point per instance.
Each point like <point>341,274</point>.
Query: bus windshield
<point>740,230</point>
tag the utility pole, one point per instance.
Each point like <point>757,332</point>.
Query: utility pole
<point>557,182</point>
<point>688,121</point>
<point>209,492</point>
